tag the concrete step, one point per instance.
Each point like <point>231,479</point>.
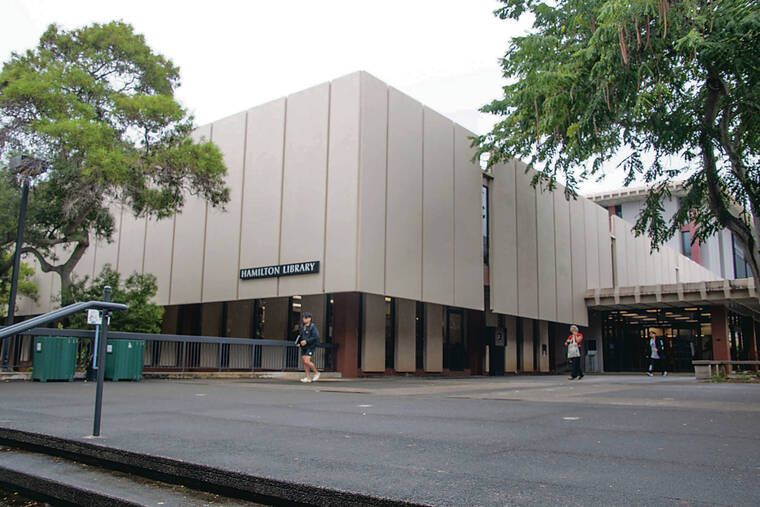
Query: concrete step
<point>60,480</point>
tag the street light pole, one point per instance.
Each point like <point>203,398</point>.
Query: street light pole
<point>14,276</point>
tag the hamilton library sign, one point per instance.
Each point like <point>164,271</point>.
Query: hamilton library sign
<point>297,268</point>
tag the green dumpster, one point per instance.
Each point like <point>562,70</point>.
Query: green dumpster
<point>54,358</point>
<point>124,359</point>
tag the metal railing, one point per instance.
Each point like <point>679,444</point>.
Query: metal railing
<point>186,353</point>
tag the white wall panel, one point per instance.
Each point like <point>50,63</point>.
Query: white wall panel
<point>189,239</point>
<point>106,253</point>
<point>304,186</point>
<point>158,256</point>
<point>372,184</point>
<point>503,247</point>
<point>433,353</point>
<point>563,257</point>
<point>339,268</point>
<point>222,256</point>
<point>260,228</point>
<point>373,335</point>
<point>605,247</point>
<point>578,260</point>
<point>592,244</point>
<point>131,243</point>
<point>403,257</point>
<point>547,252</point>
<point>527,258</point>
<point>438,209</point>
<point>468,239</point>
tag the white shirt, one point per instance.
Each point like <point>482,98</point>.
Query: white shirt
<point>655,352</point>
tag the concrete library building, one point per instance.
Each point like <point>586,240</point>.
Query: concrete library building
<point>356,203</point>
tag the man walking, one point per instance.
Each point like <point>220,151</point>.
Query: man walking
<point>656,354</point>
<point>307,341</point>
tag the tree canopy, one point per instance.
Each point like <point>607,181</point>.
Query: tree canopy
<point>598,78</point>
<point>93,111</point>
<point>136,291</point>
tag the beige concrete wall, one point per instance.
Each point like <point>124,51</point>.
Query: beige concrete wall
<point>510,351</point>
<point>222,249</point>
<point>262,195</point>
<point>108,253</point>
<point>339,268</point>
<point>131,243</point>
<point>438,208</point>
<point>468,240</point>
<point>546,256</point>
<point>158,255</point>
<point>373,334</point>
<point>406,335</point>
<point>373,165</point>
<point>433,354</point>
<point>578,260</point>
<point>189,246</point>
<point>503,244</point>
<point>403,239</point>
<point>527,257</point>
<point>563,258</point>
<point>527,344</point>
<point>304,186</point>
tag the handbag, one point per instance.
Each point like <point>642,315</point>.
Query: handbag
<point>573,350</point>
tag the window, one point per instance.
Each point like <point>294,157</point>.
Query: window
<point>619,210</point>
<point>686,243</point>
<point>741,267</point>
<point>484,213</point>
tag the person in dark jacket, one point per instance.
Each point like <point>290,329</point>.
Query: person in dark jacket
<point>307,341</point>
<point>656,354</point>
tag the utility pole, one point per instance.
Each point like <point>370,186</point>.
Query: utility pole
<point>101,363</point>
<point>16,266</point>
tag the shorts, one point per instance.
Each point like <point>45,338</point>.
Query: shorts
<point>307,352</point>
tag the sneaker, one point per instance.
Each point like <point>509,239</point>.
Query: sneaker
<point>570,378</point>
<point>664,374</point>
<point>316,377</point>
<point>306,380</point>
<point>649,374</point>
<point>580,377</point>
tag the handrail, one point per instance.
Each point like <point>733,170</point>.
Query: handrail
<point>57,314</point>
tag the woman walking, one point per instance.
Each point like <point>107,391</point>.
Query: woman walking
<point>573,344</point>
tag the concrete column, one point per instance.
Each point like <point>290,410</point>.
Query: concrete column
<point>720,342</point>
<point>406,334</point>
<point>750,340</point>
<point>433,356</point>
<point>527,345</point>
<point>510,351</point>
<point>373,335</point>
<point>543,346</point>
<point>346,332</point>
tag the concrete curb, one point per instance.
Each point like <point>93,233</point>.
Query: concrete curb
<point>199,477</point>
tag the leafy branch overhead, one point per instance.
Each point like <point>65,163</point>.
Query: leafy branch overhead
<point>596,79</point>
<point>95,107</point>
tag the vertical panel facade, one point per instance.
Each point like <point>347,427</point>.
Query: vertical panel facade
<point>221,259</point>
<point>527,249</point>
<point>438,208</point>
<point>546,255</point>
<point>304,186</point>
<point>578,260</point>
<point>503,251</point>
<point>340,261</point>
<point>563,257</point>
<point>403,247</point>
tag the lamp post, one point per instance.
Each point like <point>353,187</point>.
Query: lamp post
<point>16,162</point>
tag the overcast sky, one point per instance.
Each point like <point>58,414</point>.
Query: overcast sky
<point>236,54</point>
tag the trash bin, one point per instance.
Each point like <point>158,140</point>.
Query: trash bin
<point>124,359</point>
<point>54,358</point>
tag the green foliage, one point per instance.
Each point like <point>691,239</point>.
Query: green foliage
<point>136,292</point>
<point>26,286</point>
<point>596,78</point>
<point>94,111</point>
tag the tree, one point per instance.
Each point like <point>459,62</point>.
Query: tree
<point>599,78</point>
<point>136,292</point>
<point>94,112</point>
<point>26,286</point>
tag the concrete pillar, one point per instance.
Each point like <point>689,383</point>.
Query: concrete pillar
<point>433,355</point>
<point>510,351</point>
<point>543,346</point>
<point>720,342</point>
<point>346,332</point>
<point>527,345</point>
<point>373,335</point>
<point>406,335</point>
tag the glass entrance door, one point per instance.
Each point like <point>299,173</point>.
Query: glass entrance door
<point>455,350</point>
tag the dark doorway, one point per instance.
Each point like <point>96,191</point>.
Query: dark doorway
<point>419,329</point>
<point>455,356</point>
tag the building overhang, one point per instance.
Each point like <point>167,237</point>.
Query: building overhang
<point>739,296</point>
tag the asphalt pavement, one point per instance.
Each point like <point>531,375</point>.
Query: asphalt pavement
<point>532,440</point>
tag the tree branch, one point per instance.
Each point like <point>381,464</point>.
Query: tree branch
<point>44,264</point>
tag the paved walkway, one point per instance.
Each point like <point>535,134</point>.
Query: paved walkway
<point>471,441</point>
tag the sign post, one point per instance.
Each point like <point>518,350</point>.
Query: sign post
<point>101,364</point>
